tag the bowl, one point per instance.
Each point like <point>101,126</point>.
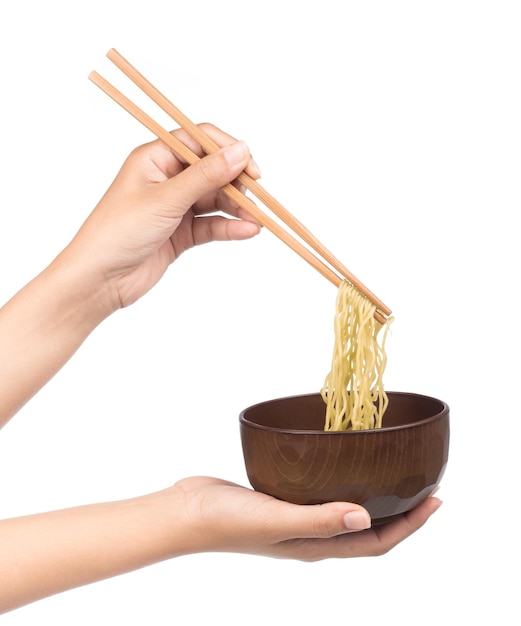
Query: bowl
<point>388,471</point>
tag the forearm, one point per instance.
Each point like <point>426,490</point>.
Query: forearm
<point>43,325</point>
<point>45,554</point>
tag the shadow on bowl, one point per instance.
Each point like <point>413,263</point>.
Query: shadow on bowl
<point>389,471</point>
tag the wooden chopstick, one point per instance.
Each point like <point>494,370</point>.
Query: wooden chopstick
<point>191,158</point>
<point>210,146</point>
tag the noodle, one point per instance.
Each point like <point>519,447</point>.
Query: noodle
<point>353,390</point>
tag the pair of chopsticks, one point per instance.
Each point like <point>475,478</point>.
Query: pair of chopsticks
<point>209,146</point>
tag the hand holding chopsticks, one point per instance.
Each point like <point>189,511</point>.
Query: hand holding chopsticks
<point>209,146</point>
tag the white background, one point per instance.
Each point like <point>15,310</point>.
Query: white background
<point>392,130</point>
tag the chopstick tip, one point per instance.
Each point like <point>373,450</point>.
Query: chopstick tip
<point>113,54</point>
<point>94,76</point>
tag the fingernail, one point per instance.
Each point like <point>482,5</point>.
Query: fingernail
<point>357,520</point>
<point>235,153</point>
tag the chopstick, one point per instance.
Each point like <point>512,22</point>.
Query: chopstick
<point>209,146</point>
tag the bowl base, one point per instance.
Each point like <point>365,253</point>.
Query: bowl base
<point>380,521</point>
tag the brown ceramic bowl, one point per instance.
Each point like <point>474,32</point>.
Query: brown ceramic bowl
<point>389,470</point>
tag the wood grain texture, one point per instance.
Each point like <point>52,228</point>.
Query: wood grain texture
<point>388,471</point>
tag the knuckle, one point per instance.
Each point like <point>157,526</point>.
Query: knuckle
<point>207,127</point>
<point>381,549</point>
<point>210,171</point>
<point>323,528</point>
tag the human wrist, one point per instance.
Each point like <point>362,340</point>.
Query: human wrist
<point>85,294</point>
<point>43,325</point>
<point>183,522</point>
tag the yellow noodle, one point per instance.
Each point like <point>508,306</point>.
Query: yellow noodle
<point>353,390</point>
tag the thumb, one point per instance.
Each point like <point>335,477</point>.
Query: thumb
<point>208,174</point>
<point>322,521</point>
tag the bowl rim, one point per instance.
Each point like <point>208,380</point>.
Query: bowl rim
<point>345,433</point>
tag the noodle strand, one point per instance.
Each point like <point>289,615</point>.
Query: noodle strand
<point>353,390</point>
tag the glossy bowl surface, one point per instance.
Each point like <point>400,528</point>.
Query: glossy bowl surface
<point>389,471</point>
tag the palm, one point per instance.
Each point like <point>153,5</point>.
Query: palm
<point>270,527</point>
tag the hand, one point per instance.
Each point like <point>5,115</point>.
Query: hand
<point>55,551</point>
<point>157,208</point>
<point>226,517</point>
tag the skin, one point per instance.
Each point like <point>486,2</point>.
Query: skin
<point>156,209</point>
